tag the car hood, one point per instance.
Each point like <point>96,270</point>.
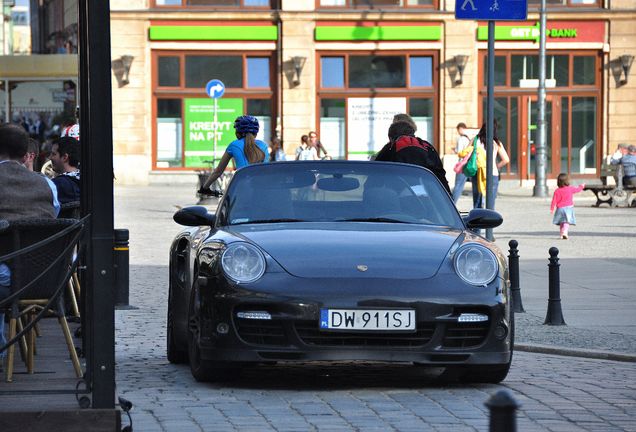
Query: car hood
<point>318,250</point>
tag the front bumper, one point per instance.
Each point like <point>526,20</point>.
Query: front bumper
<point>293,334</point>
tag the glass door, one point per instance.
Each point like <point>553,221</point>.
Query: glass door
<point>530,135</point>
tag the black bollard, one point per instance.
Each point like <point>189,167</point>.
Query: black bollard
<point>513,269</point>
<point>503,416</point>
<point>121,259</point>
<point>555,314</point>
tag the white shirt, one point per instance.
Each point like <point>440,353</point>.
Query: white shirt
<point>462,142</point>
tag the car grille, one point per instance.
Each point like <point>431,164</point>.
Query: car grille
<point>464,335</point>
<point>310,334</point>
<point>261,332</point>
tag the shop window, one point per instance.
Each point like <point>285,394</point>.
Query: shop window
<point>374,4</point>
<point>526,67</point>
<point>169,71</point>
<point>201,69</point>
<point>217,3</point>
<point>257,72</point>
<point>262,110</point>
<point>537,3</point>
<point>584,135</point>
<point>558,69</point>
<point>332,126</point>
<point>500,70</point>
<point>512,143</point>
<point>332,72</point>
<point>377,71</point>
<point>169,126</point>
<point>565,133</point>
<point>421,110</point>
<point>585,67</point>
<point>421,71</point>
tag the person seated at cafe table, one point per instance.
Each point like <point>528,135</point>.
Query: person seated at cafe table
<point>65,157</point>
<point>23,194</point>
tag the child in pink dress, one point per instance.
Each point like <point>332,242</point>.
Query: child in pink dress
<point>563,201</point>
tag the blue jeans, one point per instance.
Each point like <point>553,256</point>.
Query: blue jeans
<point>5,279</point>
<point>478,199</point>
<point>460,182</point>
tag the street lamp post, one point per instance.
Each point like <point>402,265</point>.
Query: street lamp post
<point>540,186</point>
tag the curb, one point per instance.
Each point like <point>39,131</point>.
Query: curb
<point>576,352</point>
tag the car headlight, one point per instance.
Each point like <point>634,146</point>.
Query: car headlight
<point>243,262</point>
<point>476,264</point>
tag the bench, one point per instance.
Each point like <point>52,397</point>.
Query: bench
<point>612,195</point>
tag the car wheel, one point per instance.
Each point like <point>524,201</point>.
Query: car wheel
<point>174,354</point>
<point>491,374</point>
<point>203,370</point>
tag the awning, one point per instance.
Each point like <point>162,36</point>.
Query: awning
<point>39,66</point>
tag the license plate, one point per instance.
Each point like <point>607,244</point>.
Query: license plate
<point>367,319</point>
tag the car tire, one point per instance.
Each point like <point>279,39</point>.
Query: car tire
<point>203,370</point>
<point>174,354</point>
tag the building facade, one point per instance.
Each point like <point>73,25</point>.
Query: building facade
<point>344,67</point>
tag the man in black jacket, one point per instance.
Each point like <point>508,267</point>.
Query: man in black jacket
<point>405,147</point>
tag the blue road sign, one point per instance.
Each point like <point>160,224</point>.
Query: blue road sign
<point>491,10</point>
<point>215,88</point>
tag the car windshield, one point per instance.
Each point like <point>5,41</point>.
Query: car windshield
<point>337,191</point>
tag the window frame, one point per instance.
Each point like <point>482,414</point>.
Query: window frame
<point>566,4</point>
<point>349,4</point>
<point>507,54</point>
<point>273,4</point>
<point>181,92</point>
<point>559,93</point>
<point>407,92</point>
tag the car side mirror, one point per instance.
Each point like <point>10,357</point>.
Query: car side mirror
<point>194,216</point>
<point>482,218</point>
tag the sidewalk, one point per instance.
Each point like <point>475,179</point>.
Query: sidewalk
<point>598,263</point>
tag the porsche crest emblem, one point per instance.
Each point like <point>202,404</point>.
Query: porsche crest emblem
<point>362,268</point>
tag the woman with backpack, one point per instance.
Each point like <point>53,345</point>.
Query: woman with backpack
<point>479,180</point>
<point>246,149</point>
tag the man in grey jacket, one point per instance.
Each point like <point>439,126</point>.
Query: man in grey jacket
<point>23,194</point>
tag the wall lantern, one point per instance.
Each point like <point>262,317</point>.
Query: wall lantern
<point>626,63</point>
<point>121,69</point>
<point>299,63</point>
<point>460,63</point>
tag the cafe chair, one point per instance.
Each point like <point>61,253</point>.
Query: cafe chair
<point>40,254</point>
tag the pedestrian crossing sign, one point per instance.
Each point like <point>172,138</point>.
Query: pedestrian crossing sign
<point>491,10</point>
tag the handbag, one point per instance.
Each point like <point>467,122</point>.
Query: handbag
<point>470,169</point>
<point>459,166</point>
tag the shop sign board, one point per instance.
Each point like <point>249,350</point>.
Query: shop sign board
<point>368,121</point>
<point>200,129</point>
<point>491,10</point>
<point>556,31</point>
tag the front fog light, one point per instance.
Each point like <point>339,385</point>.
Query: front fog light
<point>222,328</point>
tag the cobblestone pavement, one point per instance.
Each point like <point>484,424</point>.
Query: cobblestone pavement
<point>556,393</point>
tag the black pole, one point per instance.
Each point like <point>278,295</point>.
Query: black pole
<point>490,117</point>
<point>503,407</point>
<point>513,269</point>
<point>555,314</point>
<point>97,196</point>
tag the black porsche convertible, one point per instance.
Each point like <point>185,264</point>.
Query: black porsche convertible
<point>338,260</point>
